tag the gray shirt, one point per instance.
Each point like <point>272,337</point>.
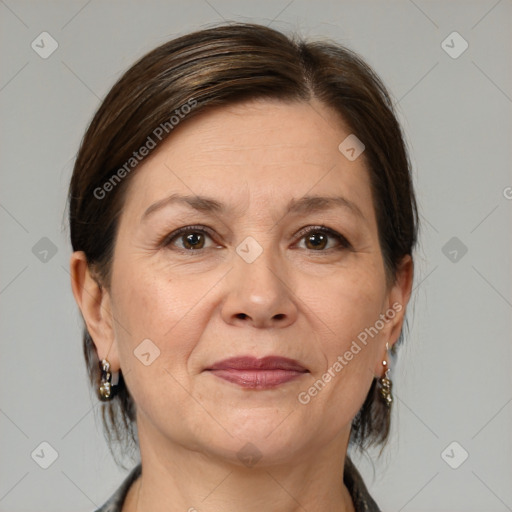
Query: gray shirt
<point>361,498</point>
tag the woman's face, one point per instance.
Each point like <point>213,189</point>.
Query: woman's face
<point>254,276</point>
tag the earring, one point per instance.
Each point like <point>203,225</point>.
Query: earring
<point>386,384</point>
<point>106,389</point>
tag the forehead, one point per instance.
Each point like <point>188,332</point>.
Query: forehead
<point>264,149</point>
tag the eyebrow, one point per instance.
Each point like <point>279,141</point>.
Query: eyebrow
<point>304,205</point>
<point>199,203</point>
<point>313,204</point>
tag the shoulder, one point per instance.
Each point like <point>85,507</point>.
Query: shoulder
<point>363,502</point>
<point>115,502</point>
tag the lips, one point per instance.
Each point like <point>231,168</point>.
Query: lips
<point>251,372</point>
<point>253,363</point>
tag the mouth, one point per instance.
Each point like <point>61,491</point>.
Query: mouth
<point>253,373</point>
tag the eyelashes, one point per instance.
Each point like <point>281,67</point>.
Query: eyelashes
<point>324,233</point>
<point>188,231</point>
<point>317,236</point>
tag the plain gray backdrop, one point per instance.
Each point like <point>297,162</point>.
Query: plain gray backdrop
<point>452,382</point>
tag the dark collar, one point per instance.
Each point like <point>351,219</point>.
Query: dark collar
<point>363,502</point>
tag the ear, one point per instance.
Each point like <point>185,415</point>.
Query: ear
<point>395,308</point>
<point>93,299</point>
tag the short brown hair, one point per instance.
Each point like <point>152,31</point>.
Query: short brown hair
<point>220,66</point>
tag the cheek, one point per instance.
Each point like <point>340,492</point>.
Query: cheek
<point>338,387</point>
<point>156,330</point>
<point>347,303</point>
<point>149,300</point>
<point>160,313</point>
<point>347,315</point>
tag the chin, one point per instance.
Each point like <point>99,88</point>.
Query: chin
<point>254,452</point>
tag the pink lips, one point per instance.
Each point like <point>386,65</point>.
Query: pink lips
<point>254,373</point>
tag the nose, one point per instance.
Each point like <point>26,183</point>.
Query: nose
<point>259,293</point>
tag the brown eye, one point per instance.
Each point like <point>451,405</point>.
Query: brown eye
<point>316,241</point>
<point>193,241</point>
<point>188,239</point>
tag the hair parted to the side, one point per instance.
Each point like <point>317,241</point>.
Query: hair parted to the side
<point>221,66</point>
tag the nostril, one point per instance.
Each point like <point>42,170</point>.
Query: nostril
<point>279,316</point>
<point>241,316</point>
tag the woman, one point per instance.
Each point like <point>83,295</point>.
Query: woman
<point>243,221</point>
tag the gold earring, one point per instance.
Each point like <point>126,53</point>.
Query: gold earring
<point>386,384</point>
<point>106,390</point>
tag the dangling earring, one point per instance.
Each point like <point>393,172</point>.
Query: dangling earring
<point>386,384</point>
<point>106,389</point>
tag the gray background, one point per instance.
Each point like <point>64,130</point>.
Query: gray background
<point>453,381</point>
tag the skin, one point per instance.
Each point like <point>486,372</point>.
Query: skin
<point>298,299</point>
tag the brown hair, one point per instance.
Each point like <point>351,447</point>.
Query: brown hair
<point>218,66</point>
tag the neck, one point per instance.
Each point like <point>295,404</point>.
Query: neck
<point>175,478</point>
